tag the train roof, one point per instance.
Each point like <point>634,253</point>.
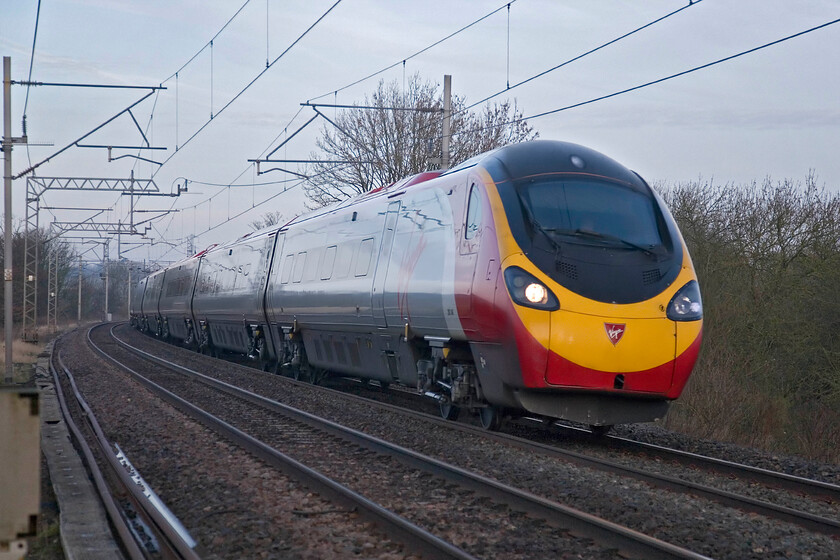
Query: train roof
<point>551,156</point>
<point>517,160</point>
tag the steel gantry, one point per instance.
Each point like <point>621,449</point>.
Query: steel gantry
<point>36,187</point>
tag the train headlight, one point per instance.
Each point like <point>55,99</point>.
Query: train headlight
<point>686,305</point>
<point>536,293</point>
<point>526,290</point>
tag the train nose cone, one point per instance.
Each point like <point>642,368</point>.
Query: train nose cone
<point>591,351</point>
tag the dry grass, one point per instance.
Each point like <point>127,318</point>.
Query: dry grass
<point>24,354</point>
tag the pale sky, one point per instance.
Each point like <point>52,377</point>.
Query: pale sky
<point>774,112</point>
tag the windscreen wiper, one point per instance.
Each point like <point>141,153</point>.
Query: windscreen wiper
<point>536,226</point>
<point>648,250</point>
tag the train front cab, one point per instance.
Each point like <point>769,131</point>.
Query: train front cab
<point>597,290</point>
<point>601,363</point>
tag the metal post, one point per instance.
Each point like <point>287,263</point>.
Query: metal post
<point>128,309</point>
<point>50,272</point>
<point>52,309</point>
<point>105,261</point>
<point>7,189</point>
<point>80,291</point>
<point>447,117</point>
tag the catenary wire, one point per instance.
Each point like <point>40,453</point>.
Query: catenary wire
<point>418,53</point>
<point>29,80</point>
<point>462,29</point>
<point>208,43</point>
<point>582,55</point>
<point>247,86</point>
<point>657,81</point>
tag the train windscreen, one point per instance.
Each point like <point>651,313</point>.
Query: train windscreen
<point>591,211</point>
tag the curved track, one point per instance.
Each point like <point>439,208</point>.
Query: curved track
<point>302,429</point>
<point>821,520</point>
<point>143,530</point>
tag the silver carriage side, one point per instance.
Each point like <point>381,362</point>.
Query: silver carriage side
<point>151,321</point>
<point>228,301</point>
<point>176,300</point>
<point>352,283</point>
<point>135,311</point>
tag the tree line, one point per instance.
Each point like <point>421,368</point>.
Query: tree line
<point>63,259</point>
<point>768,259</point>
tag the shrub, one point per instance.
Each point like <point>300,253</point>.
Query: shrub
<point>768,260</point>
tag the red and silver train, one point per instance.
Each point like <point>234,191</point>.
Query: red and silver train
<point>541,278</point>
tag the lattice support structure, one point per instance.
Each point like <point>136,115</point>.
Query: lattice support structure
<point>105,261</point>
<point>29,326</point>
<point>35,188</point>
<point>52,296</point>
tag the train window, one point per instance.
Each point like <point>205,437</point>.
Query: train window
<point>364,257</point>
<point>310,268</point>
<point>328,262</point>
<point>300,261</point>
<point>345,257</point>
<point>287,268</point>
<point>473,213</point>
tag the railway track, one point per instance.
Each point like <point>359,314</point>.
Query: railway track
<point>822,491</point>
<point>304,432</point>
<point>144,528</point>
<point>802,485</point>
<point>544,438</point>
<point>413,536</point>
<point>814,522</point>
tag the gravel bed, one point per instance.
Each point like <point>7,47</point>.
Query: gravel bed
<point>232,504</point>
<point>651,433</point>
<point>647,433</point>
<point>470,521</point>
<point>584,445</point>
<point>703,526</point>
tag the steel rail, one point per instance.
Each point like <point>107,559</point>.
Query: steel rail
<point>124,533</point>
<point>804,519</point>
<point>794,483</point>
<point>807,520</point>
<point>416,537</point>
<point>580,523</point>
<point>787,481</point>
<point>172,542</point>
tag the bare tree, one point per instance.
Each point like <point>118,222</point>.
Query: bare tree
<point>400,136</point>
<point>267,219</point>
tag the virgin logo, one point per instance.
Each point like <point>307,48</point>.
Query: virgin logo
<point>614,331</point>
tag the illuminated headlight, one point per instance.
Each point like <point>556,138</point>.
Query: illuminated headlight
<point>686,305</point>
<point>536,293</point>
<point>526,290</point>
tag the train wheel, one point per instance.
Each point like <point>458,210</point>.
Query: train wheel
<point>298,374</point>
<point>381,385</point>
<point>317,375</point>
<point>449,411</point>
<point>491,417</point>
<point>600,431</point>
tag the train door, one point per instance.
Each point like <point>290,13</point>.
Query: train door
<point>378,291</point>
<point>468,245</point>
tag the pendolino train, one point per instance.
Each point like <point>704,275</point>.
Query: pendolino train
<point>541,278</point>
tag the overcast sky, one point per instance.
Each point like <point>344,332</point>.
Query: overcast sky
<point>775,112</point>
